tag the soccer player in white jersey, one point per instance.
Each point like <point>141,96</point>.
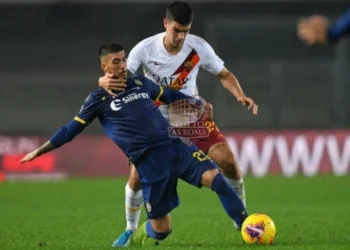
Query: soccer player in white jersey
<point>173,59</point>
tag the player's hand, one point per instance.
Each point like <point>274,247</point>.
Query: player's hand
<point>29,157</point>
<point>313,30</point>
<point>208,112</point>
<point>247,101</point>
<point>110,83</point>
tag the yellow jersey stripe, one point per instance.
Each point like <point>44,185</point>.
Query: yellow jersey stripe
<point>80,120</point>
<point>160,93</point>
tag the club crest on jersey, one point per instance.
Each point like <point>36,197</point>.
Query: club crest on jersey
<point>138,82</point>
<point>188,65</point>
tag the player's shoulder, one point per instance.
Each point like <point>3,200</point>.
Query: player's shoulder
<point>96,96</point>
<point>197,42</point>
<point>149,41</point>
<point>139,80</point>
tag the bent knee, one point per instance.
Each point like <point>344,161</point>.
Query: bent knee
<point>134,181</point>
<point>226,161</point>
<point>208,177</point>
<point>230,169</point>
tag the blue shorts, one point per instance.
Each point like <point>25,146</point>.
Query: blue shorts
<point>159,170</point>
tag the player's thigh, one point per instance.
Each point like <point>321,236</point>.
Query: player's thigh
<point>159,183</point>
<point>134,181</point>
<point>162,224</point>
<point>196,164</point>
<point>213,137</point>
<point>222,154</point>
<point>160,198</point>
<point>217,148</point>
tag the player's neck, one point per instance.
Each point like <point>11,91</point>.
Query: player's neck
<point>171,49</point>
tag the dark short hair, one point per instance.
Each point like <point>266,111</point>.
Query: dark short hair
<point>108,48</point>
<point>179,12</point>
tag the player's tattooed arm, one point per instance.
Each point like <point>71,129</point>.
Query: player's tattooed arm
<point>230,82</point>
<point>62,136</point>
<point>45,148</point>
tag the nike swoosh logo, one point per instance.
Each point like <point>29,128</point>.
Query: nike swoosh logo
<point>258,230</point>
<point>157,63</point>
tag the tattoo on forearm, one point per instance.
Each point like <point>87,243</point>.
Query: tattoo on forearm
<point>47,147</point>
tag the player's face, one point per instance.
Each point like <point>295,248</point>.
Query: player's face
<point>176,33</point>
<point>115,64</point>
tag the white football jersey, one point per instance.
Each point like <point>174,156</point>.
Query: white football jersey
<point>178,71</point>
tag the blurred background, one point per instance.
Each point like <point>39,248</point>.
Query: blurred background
<point>49,63</point>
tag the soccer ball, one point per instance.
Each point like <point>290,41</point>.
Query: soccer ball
<point>258,228</point>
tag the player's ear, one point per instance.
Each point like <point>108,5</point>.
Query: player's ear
<point>165,22</point>
<point>104,67</point>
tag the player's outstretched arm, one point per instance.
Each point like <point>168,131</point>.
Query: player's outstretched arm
<point>168,96</point>
<point>230,82</point>
<point>61,137</point>
<point>206,109</point>
<point>163,94</point>
<point>65,134</point>
<point>319,30</point>
<point>47,147</point>
<point>339,28</point>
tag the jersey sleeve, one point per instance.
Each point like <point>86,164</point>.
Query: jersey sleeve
<point>340,27</point>
<point>155,90</point>
<point>211,62</point>
<point>67,133</point>
<point>88,111</point>
<point>136,57</point>
<point>163,94</point>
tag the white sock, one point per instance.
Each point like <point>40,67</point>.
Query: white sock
<point>133,202</point>
<point>238,186</point>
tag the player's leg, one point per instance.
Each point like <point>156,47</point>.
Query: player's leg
<point>201,171</point>
<point>133,203</point>
<point>217,148</point>
<point>231,202</point>
<point>133,200</point>
<point>156,172</point>
<point>160,199</point>
<point>151,232</point>
<point>222,154</point>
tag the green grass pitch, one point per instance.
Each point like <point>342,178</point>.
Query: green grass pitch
<point>309,213</point>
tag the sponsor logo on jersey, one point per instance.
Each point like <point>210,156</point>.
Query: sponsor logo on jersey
<point>180,76</point>
<point>116,104</point>
<point>170,81</point>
